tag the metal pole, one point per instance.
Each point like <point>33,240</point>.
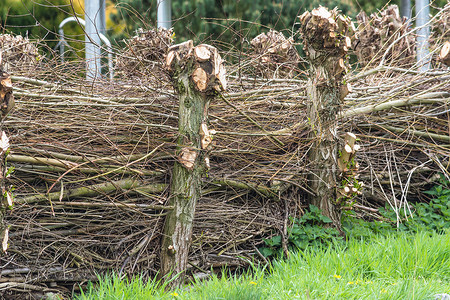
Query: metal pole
<point>164,13</point>
<point>62,42</point>
<point>92,39</point>
<point>406,8</point>
<point>102,14</point>
<point>423,34</point>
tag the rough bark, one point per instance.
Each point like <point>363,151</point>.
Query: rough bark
<point>198,74</point>
<point>326,38</point>
<point>6,96</point>
<point>6,200</point>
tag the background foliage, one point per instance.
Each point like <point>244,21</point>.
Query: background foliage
<point>229,21</point>
<point>224,20</point>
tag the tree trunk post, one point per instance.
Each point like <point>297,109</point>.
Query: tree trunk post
<point>326,39</point>
<point>6,200</point>
<point>197,74</point>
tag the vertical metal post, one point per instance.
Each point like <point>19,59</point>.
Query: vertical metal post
<point>102,14</point>
<point>92,39</point>
<point>62,44</point>
<point>423,34</point>
<point>406,8</point>
<point>164,14</point>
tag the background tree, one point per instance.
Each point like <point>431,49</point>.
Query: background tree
<point>40,19</point>
<point>36,19</point>
<point>224,20</point>
<point>227,21</point>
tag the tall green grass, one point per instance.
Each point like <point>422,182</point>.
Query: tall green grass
<point>398,266</point>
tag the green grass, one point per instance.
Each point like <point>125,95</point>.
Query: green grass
<point>398,266</point>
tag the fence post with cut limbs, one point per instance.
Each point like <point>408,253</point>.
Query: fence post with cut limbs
<point>6,201</point>
<point>198,74</point>
<point>326,39</point>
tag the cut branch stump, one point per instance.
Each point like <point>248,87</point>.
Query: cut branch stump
<point>198,74</point>
<point>377,32</point>
<point>327,38</point>
<point>445,53</point>
<point>276,55</point>
<point>6,200</point>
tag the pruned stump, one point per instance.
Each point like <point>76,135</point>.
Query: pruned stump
<point>19,54</point>
<point>349,186</point>
<point>444,55</point>
<point>6,95</point>
<point>198,74</point>
<point>6,201</point>
<point>144,55</point>
<point>276,55</point>
<point>327,38</point>
<point>377,32</point>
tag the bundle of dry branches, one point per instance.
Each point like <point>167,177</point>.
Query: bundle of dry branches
<point>441,25</point>
<point>440,37</point>
<point>19,53</point>
<point>276,55</point>
<point>144,54</point>
<point>378,32</point>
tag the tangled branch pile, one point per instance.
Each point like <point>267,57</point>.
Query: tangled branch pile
<point>18,53</point>
<point>441,25</point>
<point>376,35</point>
<point>276,55</point>
<point>440,37</point>
<point>144,54</point>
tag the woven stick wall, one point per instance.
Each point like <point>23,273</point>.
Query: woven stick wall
<point>93,160</point>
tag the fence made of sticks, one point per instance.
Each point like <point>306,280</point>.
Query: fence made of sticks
<point>93,160</point>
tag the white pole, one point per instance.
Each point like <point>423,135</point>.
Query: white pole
<point>102,14</point>
<point>164,16</point>
<point>406,8</point>
<point>92,39</point>
<point>423,34</point>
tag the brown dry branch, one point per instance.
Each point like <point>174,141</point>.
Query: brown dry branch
<point>441,25</point>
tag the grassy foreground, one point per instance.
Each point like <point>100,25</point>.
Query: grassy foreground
<point>399,266</point>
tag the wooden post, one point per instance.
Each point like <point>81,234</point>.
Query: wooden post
<point>198,74</point>
<point>326,39</point>
<point>6,200</point>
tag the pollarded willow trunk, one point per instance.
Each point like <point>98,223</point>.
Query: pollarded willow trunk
<point>6,200</point>
<point>198,74</point>
<point>326,39</point>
